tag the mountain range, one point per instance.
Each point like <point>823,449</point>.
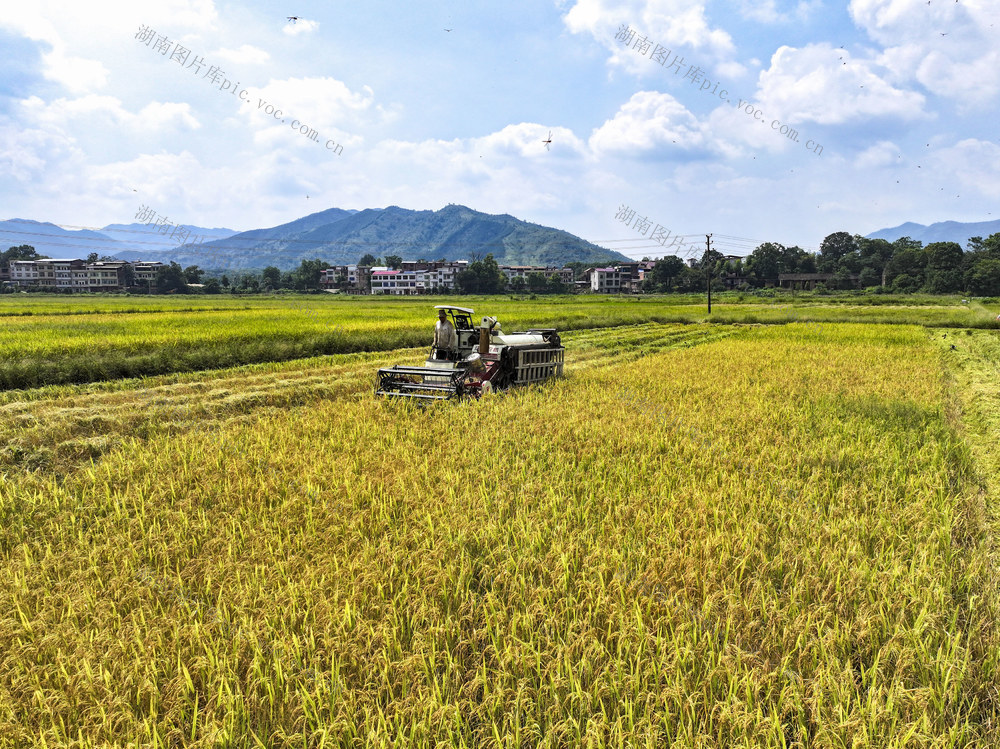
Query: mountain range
<point>337,236</point>
<point>56,242</point>
<point>943,231</point>
<point>342,237</point>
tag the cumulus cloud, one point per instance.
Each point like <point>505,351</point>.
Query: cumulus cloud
<point>301,26</point>
<point>883,154</point>
<point>648,121</point>
<point>818,83</point>
<point>75,33</point>
<point>951,49</point>
<point>321,103</point>
<point>93,111</point>
<point>973,164</point>
<point>245,54</point>
<point>671,23</point>
<point>525,139</point>
<point>767,11</point>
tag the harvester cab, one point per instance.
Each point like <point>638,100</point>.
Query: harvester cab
<point>484,359</point>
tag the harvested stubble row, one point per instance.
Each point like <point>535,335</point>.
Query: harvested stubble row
<point>469,575</point>
<point>56,428</point>
<point>48,341</point>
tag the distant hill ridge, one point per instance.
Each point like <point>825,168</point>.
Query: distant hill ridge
<point>54,241</point>
<point>943,231</point>
<point>341,237</point>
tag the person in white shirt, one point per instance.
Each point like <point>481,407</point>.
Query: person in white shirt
<point>445,338</point>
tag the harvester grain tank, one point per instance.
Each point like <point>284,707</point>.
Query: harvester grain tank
<point>482,359</point>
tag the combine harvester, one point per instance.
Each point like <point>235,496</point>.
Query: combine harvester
<point>483,360</point>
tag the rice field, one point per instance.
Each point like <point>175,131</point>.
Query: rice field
<point>705,535</point>
<point>60,340</point>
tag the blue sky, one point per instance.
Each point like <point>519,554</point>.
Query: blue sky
<point>900,95</point>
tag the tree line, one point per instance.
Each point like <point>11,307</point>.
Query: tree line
<point>853,261</point>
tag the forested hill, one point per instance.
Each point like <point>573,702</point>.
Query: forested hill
<point>342,237</point>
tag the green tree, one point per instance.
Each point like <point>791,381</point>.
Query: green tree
<point>905,272</point>
<point>984,277</point>
<point>170,279</point>
<point>248,283</point>
<point>767,261</point>
<point>536,283</point>
<point>272,277</point>
<point>517,284</point>
<point>193,274</point>
<point>394,261</point>
<point>127,275</point>
<point>833,249</point>
<point>309,273</point>
<point>869,277</point>
<point>368,260</point>
<point>212,286</point>
<point>943,274</point>
<point>21,252</point>
<point>874,254</point>
<point>665,271</point>
<point>482,277</point>
<point>555,285</point>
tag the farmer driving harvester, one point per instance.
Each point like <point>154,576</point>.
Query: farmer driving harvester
<point>445,338</point>
<point>469,360</point>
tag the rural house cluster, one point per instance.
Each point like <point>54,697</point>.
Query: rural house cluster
<point>412,277</point>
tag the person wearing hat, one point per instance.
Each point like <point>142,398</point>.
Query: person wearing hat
<point>445,337</point>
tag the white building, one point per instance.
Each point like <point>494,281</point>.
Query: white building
<point>24,273</point>
<point>145,272</point>
<point>609,280</point>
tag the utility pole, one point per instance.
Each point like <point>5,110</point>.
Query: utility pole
<point>708,269</point>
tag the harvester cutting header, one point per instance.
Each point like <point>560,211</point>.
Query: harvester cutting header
<point>469,361</point>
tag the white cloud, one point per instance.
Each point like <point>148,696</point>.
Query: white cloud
<point>90,30</point>
<point>648,121</point>
<point>301,26</point>
<point>526,139</point>
<point>883,154</point>
<point>323,104</point>
<point>949,48</point>
<point>25,155</point>
<point>93,113</point>
<point>818,83</point>
<point>671,23</point>
<point>766,11</point>
<point>245,54</point>
<point>973,165</point>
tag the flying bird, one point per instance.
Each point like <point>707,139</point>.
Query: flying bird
<point>293,19</point>
<point>447,29</point>
<point>546,142</point>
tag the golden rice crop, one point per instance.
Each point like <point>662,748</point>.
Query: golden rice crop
<point>768,538</point>
<point>48,341</point>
